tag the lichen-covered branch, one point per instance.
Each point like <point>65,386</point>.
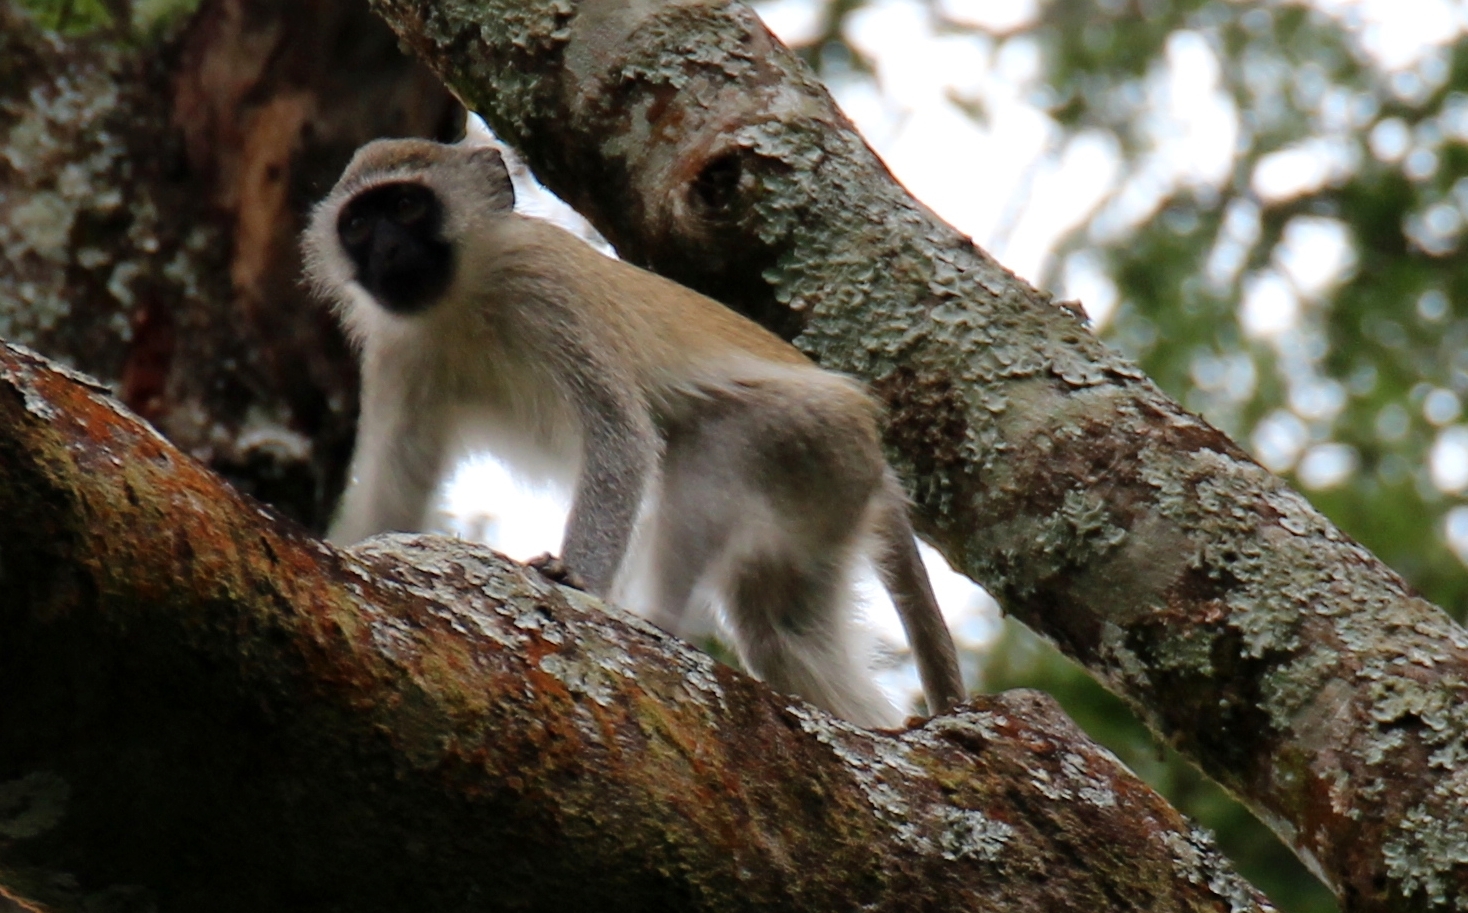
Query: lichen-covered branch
<point>202,708</point>
<point>1290,663</point>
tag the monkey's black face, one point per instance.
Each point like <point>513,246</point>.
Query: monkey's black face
<point>394,235</point>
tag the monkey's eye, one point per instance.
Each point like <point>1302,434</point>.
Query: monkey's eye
<point>409,208</point>
<point>355,229</point>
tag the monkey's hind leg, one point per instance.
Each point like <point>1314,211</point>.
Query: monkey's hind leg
<point>795,629</point>
<point>697,514</point>
<point>765,497</point>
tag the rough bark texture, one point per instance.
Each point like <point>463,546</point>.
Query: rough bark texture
<point>151,193</point>
<point>203,708</point>
<point>1291,664</point>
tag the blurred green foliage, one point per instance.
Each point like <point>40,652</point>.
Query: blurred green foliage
<point>143,18</point>
<point>1368,352</point>
<point>70,17</point>
<point>1356,399</point>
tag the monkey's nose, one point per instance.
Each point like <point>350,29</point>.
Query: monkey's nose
<point>386,249</point>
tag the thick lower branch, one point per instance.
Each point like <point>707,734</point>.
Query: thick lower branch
<point>203,708</point>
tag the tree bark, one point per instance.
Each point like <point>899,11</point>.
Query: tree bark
<point>204,708</point>
<point>1294,667</point>
<point>153,191</point>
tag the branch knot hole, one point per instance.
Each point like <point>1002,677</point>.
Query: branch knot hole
<point>715,190</point>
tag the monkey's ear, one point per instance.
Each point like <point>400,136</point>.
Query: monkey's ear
<point>490,167</point>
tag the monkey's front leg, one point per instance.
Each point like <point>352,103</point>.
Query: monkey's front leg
<point>619,455</point>
<point>399,459</point>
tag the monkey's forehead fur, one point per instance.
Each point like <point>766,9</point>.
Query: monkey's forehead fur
<point>471,180</point>
<point>451,169</point>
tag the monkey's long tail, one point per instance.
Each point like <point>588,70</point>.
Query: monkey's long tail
<point>907,580</point>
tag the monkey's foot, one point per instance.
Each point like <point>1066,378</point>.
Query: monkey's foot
<point>555,570</point>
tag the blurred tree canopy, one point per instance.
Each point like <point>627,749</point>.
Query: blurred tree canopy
<point>1298,283</point>
<point>1311,303</point>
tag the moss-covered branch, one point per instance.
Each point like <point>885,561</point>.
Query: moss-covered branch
<point>1291,664</point>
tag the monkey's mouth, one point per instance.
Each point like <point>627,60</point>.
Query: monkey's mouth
<point>405,274</point>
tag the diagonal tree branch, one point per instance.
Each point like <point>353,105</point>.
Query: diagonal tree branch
<point>202,708</point>
<point>1293,666</point>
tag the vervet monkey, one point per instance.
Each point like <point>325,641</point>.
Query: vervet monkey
<point>756,478</point>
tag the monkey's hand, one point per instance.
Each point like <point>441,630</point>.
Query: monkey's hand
<point>555,570</point>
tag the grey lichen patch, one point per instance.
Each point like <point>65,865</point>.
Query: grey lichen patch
<point>1448,734</point>
<point>1076,534</point>
<point>1216,493</point>
<point>442,565</point>
<point>1198,861</point>
<point>1123,667</point>
<point>1397,697</point>
<point>972,727</point>
<point>33,804</point>
<point>1380,746</point>
<point>1439,629</point>
<point>668,44</point>
<point>964,832</point>
<point>1265,596</point>
<point>929,295</point>
<point>1332,627</point>
<point>869,772</point>
<point>1291,686</point>
<point>591,679</point>
<point>479,592</point>
<point>42,225</point>
<point>1295,513</point>
<point>549,631</point>
<point>36,403</point>
<point>1306,574</point>
<point>393,637</point>
<point>694,670</point>
<point>1077,781</point>
<point>64,166</point>
<point>1439,710</point>
<point>1091,788</point>
<point>1426,852</point>
<point>496,83</point>
<point>699,671</point>
<point>1265,627</point>
<point>1185,649</point>
<point>183,269</point>
<point>884,769</point>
